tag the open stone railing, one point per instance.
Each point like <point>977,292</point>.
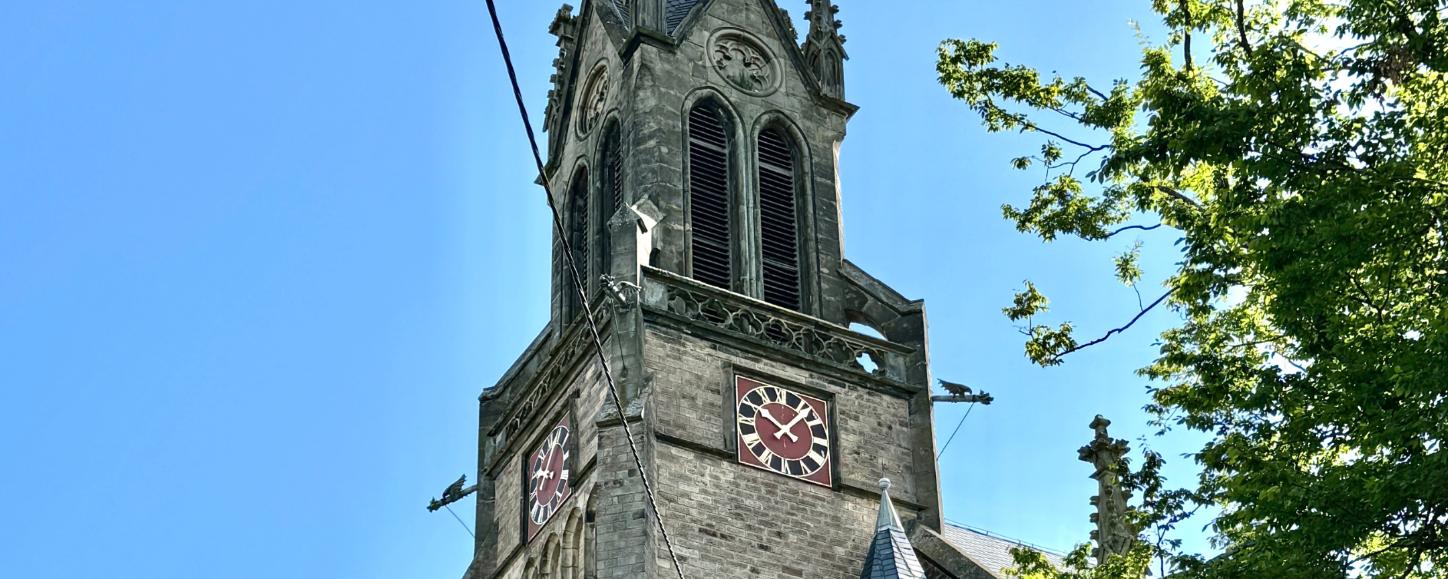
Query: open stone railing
<point>742,316</point>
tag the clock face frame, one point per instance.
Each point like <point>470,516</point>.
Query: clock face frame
<point>783,431</point>
<point>547,476</point>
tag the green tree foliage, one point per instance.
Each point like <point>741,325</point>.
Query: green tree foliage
<point>1296,152</point>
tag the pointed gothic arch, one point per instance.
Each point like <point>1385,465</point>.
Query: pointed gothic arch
<point>549,567</point>
<point>782,169</point>
<point>573,546</point>
<point>576,216</point>
<point>712,191</point>
<point>610,190</point>
<point>589,561</point>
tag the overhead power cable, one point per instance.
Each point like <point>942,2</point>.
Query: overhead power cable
<point>579,286</point>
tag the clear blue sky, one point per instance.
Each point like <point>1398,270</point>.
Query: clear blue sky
<point>258,259</point>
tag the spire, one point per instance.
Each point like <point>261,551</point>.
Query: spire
<point>888,520</point>
<point>824,49</point>
<point>891,555</point>
<point>1113,535</point>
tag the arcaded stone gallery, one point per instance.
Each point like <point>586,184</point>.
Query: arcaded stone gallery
<point>777,395</point>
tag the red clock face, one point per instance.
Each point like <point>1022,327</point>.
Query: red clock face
<point>548,483</point>
<point>783,431</point>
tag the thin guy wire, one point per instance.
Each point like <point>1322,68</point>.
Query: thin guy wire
<point>953,432</point>
<point>460,522</point>
<point>578,284</point>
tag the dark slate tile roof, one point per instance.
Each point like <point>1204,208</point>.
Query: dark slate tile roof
<point>891,555</point>
<point>991,553</point>
<point>677,10</point>
<point>674,12</point>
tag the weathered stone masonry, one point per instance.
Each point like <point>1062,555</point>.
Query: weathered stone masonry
<point>673,344</point>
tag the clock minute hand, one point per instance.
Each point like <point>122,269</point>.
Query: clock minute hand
<point>782,428</point>
<point>798,416</point>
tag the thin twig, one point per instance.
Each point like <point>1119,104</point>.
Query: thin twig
<point>1119,330</point>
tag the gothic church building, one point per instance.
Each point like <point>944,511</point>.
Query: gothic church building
<point>693,151</point>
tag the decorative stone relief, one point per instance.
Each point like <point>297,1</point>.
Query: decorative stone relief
<point>742,61</point>
<point>593,101</point>
<point>835,346</point>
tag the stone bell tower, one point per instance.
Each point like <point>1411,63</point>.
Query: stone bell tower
<point>693,150</point>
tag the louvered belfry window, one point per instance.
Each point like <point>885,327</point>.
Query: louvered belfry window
<point>578,239</point>
<point>709,196</point>
<point>611,200</point>
<point>779,220</point>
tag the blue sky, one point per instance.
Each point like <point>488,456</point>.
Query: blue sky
<point>258,259</point>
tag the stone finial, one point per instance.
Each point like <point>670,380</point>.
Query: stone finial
<point>888,518</point>
<point>1113,535</point>
<point>565,27</point>
<point>824,49</point>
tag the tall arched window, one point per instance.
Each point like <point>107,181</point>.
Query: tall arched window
<point>779,219</point>
<point>578,239</point>
<point>710,186</point>
<point>611,193</point>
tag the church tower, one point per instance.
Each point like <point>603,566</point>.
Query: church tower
<point>693,151</point>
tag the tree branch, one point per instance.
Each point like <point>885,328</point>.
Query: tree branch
<point>1242,27</point>
<point>1027,124</point>
<point>1187,32</point>
<point>1179,195</point>
<point>1131,227</point>
<point>1119,330</point>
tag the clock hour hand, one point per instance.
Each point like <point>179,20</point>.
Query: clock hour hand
<point>799,414</point>
<point>783,430</point>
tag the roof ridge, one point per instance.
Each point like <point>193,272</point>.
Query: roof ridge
<point>994,535</point>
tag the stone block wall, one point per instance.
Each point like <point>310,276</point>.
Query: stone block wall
<point>731,520</point>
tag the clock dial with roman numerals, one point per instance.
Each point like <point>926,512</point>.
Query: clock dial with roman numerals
<point>548,483</point>
<point>783,431</point>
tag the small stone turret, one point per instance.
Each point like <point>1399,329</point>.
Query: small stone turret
<point>565,28</point>
<point>824,49</point>
<point>1113,535</point>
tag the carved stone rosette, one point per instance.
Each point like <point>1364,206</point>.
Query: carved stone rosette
<point>743,62</point>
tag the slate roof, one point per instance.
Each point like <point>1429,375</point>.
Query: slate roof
<point>992,554</point>
<point>674,12</point>
<point>891,555</point>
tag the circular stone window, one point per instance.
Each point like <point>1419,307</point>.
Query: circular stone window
<point>593,101</point>
<point>743,62</point>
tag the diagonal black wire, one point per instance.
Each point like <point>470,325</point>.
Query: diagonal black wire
<point>579,286</point>
<point>953,432</point>
<point>460,522</point>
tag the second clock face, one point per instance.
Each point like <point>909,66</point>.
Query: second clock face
<point>783,431</point>
<point>549,471</point>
